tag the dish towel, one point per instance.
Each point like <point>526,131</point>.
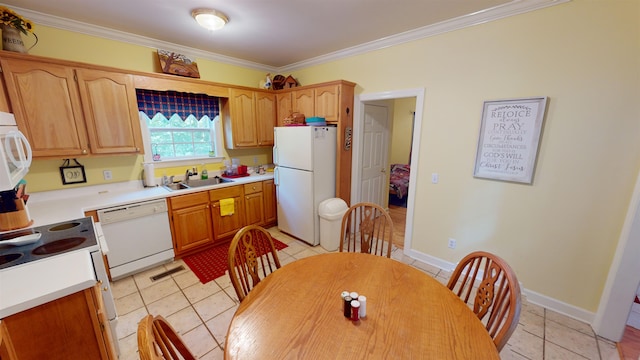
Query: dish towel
<point>227,207</point>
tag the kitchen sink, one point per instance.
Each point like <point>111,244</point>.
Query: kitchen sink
<point>197,183</point>
<point>176,186</point>
<point>206,182</point>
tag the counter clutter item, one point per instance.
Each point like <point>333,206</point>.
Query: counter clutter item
<point>149,175</point>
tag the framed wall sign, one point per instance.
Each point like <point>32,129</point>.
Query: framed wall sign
<point>72,174</point>
<point>509,139</point>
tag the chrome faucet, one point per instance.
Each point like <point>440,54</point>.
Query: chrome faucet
<point>186,176</point>
<point>167,180</point>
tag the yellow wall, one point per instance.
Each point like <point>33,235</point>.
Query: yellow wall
<point>67,45</point>
<point>559,233</point>
<point>402,130</point>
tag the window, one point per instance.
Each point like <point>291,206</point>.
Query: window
<point>179,126</point>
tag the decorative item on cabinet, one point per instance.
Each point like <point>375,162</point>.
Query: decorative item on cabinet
<point>290,82</point>
<point>12,25</point>
<point>177,64</point>
<point>278,82</point>
<point>268,82</point>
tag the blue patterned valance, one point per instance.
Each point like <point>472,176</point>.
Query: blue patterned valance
<point>168,103</point>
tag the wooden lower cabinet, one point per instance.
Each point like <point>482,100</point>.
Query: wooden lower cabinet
<point>190,222</point>
<point>254,204</point>
<point>270,210</point>
<point>6,346</point>
<point>197,221</point>
<point>72,327</point>
<point>226,226</point>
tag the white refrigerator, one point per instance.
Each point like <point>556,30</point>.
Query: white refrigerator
<point>305,175</point>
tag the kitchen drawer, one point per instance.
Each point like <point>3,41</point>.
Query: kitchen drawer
<point>227,192</point>
<point>188,200</point>
<point>252,188</point>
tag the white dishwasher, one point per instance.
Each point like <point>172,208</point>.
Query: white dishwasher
<point>138,236</point>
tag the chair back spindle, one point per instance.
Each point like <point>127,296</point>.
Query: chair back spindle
<point>486,282</point>
<point>252,256</point>
<point>367,228</point>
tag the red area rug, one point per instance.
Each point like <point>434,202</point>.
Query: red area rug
<point>212,263</point>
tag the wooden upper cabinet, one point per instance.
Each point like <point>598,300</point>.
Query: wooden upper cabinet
<point>327,101</point>
<point>251,119</point>
<point>111,111</point>
<point>265,104</point>
<point>69,111</point>
<point>284,107</point>
<point>334,102</point>
<point>46,104</point>
<point>303,102</point>
<point>244,132</point>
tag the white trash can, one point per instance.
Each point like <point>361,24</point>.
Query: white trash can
<point>331,212</point>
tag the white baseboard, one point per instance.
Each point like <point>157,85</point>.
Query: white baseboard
<point>532,296</point>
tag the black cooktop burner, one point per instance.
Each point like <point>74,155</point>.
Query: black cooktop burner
<point>55,239</point>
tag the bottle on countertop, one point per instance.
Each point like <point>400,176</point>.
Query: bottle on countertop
<point>204,175</point>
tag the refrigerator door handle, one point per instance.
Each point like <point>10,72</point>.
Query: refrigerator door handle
<point>276,176</point>
<point>275,155</point>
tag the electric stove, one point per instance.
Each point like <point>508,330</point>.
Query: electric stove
<point>40,242</point>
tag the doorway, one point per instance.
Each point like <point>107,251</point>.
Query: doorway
<point>358,147</point>
<point>624,276</point>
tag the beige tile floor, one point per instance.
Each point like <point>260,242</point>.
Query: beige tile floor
<point>201,313</point>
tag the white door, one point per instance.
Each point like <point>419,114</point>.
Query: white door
<point>373,184</point>
<point>295,203</point>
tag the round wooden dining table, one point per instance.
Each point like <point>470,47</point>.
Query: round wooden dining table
<point>297,313</point>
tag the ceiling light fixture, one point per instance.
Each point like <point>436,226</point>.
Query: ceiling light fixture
<point>210,19</point>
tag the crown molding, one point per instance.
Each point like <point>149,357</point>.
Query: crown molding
<point>514,7</point>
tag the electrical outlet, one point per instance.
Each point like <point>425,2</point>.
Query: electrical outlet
<point>452,243</point>
<point>107,175</point>
<point>434,178</point>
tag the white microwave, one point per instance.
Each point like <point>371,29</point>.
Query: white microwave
<point>15,153</point>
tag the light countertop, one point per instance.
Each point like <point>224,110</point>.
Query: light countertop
<point>28,285</point>
<point>61,205</point>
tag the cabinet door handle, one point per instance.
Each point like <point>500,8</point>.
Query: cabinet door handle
<point>84,151</point>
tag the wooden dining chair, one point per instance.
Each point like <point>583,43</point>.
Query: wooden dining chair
<point>367,228</point>
<point>252,256</point>
<point>158,340</point>
<point>487,282</point>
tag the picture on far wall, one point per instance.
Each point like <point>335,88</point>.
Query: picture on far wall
<point>509,139</point>
<point>177,64</point>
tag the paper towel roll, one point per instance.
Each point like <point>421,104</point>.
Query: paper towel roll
<point>149,175</point>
